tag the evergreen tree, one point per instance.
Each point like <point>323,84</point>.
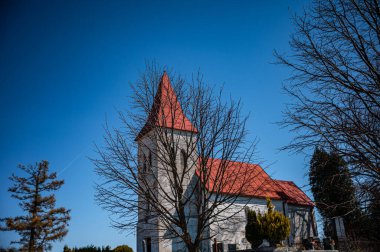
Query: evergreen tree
<point>372,220</point>
<point>272,226</point>
<point>42,223</point>
<point>253,229</point>
<point>333,190</point>
<point>66,249</point>
<point>123,248</point>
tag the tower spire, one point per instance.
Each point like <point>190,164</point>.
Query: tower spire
<point>166,111</point>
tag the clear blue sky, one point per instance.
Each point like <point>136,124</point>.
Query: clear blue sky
<point>66,65</point>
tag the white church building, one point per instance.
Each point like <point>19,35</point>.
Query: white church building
<point>286,196</point>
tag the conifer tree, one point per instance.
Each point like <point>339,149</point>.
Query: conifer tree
<point>42,223</point>
<point>66,249</point>
<point>272,226</point>
<point>373,216</point>
<point>333,189</point>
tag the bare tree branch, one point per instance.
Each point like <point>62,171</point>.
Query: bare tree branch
<point>335,85</point>
<point>174,161</point>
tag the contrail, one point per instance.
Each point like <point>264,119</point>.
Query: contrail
<point>72,161</point>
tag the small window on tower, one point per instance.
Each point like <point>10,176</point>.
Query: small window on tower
<point>144,169</point>
<point>147,212</point>
<point>150,159</point>
<point>184,159</point>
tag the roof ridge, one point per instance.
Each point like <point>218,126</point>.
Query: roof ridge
<point>281,180</point>
<point>234,161</point>
<point>284,190</point>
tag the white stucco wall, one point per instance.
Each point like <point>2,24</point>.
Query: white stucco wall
<point>232,231</point>
<point>302,223</point>
<point>148,143</point>
<point>229,231</point>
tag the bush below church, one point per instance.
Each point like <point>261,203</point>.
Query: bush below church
<point>272,226</point>
<point>92,248</point>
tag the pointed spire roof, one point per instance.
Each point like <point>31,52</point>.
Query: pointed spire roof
<point>166,111</point>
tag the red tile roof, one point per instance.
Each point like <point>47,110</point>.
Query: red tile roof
<point>248,179</point>
<point>166,111</point>
<point>252,181</point>
<point>293,194</point>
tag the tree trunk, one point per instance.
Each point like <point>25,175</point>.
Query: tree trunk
<point>192,248</point>
<point>31,241</point>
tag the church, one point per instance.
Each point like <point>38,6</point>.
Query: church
<point>286,196</point>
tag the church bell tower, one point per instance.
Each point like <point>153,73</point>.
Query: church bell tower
<point>166,150</point>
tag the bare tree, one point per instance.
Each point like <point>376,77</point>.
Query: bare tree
<point>335,84</point>
<point>171,167</point>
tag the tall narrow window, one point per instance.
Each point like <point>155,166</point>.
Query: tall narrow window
<point>183,159</point>
<point>147,212</point>
<point>144,163</point>
<point>148,244</point>
<point>150,160</point>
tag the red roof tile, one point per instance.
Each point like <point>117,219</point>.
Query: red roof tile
<point>252,181</point>
<point>166,111</point>
<point>293,194</point>
<point>238,177</point>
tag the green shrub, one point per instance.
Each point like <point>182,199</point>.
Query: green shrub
<point>272,226</point>
<point>92,248</point>
<point>123,248</point>
<point>253,230</point>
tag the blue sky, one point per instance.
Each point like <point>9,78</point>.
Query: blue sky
<point>66,65</point>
